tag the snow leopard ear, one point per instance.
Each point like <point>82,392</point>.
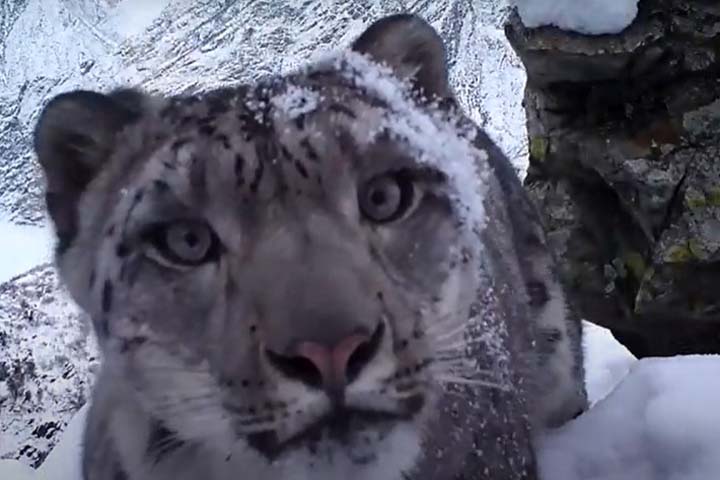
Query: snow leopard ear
<point>73,139</point>
<point>412,48</point>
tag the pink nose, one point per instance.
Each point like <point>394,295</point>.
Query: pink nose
<point>329,368</point>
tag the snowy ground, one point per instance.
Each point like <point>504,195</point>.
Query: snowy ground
<point>661,423</point>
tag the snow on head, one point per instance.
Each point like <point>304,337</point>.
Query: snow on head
<point>590,17</point>
<point>296,101</point>
<point>431,135</point>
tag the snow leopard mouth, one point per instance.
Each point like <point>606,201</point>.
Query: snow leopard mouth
<point>342,426</point>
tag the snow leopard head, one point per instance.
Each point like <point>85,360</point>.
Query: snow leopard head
<point>277,272</point>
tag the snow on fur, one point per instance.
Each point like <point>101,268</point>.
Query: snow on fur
<point>432,137</point>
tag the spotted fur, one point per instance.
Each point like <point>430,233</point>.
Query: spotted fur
<point>467,343</point>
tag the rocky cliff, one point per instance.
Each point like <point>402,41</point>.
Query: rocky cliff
<point>624,135</point>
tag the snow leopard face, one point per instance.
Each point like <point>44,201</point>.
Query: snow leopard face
<point>273,272</point>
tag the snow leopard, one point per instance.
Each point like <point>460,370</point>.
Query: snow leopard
<point>330,273</point>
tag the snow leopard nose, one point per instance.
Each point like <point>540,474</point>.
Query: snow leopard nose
<point>330,367</point>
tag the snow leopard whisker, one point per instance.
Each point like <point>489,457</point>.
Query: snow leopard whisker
<point>472,382</point>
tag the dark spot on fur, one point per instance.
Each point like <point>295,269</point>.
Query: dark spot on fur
<point>264,442</point>
<point>138,196</point>
<point>110,231</point>
<point>285,153</point>
<point>300,122</point>
<point>253,328</point>
<point>132,343</point>
<point>309,150</point>
<point>169,165</point>
<point>239,167</point>
<point>222,138</point>
<point>549,338</point>
<point>552,335</point>
<point>533,240</point>
<point>257,176</point>
<point>207,130</point>
<point>161,186</point>
<point>178,144</point>
<point>339,108</point>
<point>102,327</point>
<point>245,383</point>
<point>161,442</point>
<point>107,293</point>
<point>119,473</point>
<point>122,250</point>
<point>538,293</point>
<point>301,169</point>
<point>217,105</point>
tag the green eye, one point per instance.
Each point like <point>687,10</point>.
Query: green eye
<point>185,242</point>
<point>386,197</point>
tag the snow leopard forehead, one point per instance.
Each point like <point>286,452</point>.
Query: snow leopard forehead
<point>351,101</point>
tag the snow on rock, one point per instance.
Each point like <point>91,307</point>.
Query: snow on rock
<point>607,361</point>
<point>47,359</point>
<point>661,423</point>
<point>590,17</point>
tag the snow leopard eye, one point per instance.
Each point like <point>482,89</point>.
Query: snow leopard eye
<point>387,197</point>
<point>185,242</point>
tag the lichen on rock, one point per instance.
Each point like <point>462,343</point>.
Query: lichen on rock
<point>624,135</point>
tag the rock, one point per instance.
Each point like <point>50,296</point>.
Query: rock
<point>624,136</point>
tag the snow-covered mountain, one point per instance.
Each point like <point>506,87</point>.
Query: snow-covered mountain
<point>47,360</point>
<point>51,46</point>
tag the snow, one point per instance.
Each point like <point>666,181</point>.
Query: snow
<point>63,463</point>
<point>590,17</point>
<point>47,364</point>
<point>133,17</point>
<point>606,361</point>
<point>14,470</point>
<point>429,135</point>
<point>25,246</point>
<point>661,423</point>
